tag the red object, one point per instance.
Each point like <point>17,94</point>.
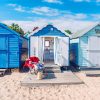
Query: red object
<point>34,59</point>
<point>35,28</point>
<point>28,62</point>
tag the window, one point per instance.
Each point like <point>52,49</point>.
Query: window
<point>47,43</point>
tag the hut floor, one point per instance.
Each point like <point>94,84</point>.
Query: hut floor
<point>65,78</point>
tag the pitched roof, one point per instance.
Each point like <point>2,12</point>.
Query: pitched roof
<point>83,31</point>
<point>47,31</point>
<point>5,29</point>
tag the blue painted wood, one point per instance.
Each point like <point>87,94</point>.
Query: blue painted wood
<point>50,30</point>
<point>83,47</point>
<point>10,48</point>
<point>83,53</point>
<point>3,52</point>
<point>13,52</point>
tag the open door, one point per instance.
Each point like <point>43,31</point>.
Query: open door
<point>40,48</point>
<point>57,51</point>
<point>62,51</point>
<point>36,47</point>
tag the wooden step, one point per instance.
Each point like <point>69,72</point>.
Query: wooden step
<point>53,70</point>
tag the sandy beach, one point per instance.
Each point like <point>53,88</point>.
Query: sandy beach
<point>10,89</point>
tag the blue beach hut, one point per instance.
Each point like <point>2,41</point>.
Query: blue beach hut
<point>10,47</point>
<point>50,45</point>
<point>85,48</point>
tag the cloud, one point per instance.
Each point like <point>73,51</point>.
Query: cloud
<point>97,0</point>
<point>11,5</point>
<point>47,11</point>
<point>81,0</point>
<point>96,16</point>
<point>61,23</point>
<point>53,1</point>
<point>19,8</point>
<point>78,16</point>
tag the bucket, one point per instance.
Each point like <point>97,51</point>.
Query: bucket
<point>40,75</point>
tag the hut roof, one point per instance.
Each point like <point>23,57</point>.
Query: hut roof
<point>6,30</point>
<point>84,31</point>
<point>48,30</point>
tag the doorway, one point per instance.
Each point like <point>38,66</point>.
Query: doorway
<point>48,55</point>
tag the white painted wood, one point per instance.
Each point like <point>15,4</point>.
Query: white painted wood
<point>33,46</point>
<point>94,51</point>
<point>56,51</point>
<point>64,51</point>
<point>61,51</point>
<point>40,48</point>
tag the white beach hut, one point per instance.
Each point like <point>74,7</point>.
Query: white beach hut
<point>50,45</point>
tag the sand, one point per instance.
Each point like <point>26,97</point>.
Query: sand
<point>10,89</point>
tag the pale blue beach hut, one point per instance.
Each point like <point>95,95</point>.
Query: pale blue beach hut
<point>85,48</point>
<point>50,45</point>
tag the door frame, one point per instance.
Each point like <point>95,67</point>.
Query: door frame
<point>53,47</point>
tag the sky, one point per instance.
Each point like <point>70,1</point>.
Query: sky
<point>64,14</point>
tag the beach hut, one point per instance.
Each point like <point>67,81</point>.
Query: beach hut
<point>50,45</point>
<point>10,48</point>
<point>85,48</point>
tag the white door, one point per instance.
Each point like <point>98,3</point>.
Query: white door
<point>64,44</point>
<point>94,51</point>
<point>40,48</point>
<point>62,51</point>
<point>34,46</point>
<point>57,51</point>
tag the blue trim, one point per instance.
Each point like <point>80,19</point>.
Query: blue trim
<point>69,52</point>
<point>79,53</point>
<point>29,47</point>
<point>24,38</point>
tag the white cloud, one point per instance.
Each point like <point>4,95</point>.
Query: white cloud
<point>19,8</point>
<point>11,5</point>
<point>78,16</point>
<point>53,1</point>
<point>60,23</point>
<point>47,11</point>
<point>81,0</point>
<point>96,16</point>
<point>97,0</point>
